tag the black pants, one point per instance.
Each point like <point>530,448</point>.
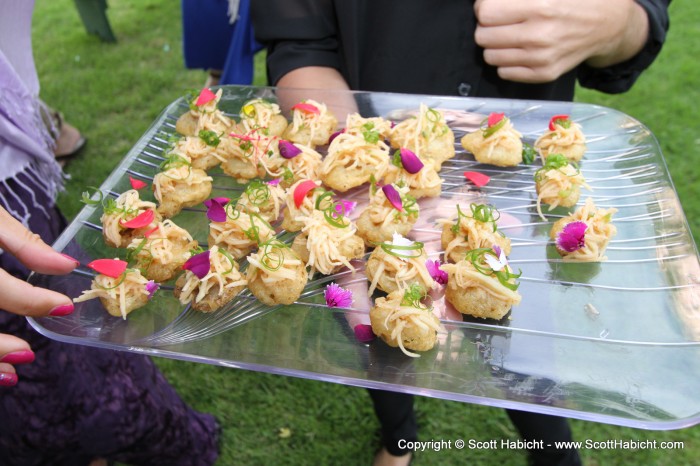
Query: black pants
<point>398,421</point>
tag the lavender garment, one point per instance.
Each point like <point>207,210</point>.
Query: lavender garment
<point>76,403</point>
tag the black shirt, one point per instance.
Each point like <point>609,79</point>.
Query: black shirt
<point>418,46</point>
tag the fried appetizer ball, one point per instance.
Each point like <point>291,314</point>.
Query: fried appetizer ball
<point>584,235</point>
<point>204,115</point>
<point>496,144</point>
<point>383,217</point>
<point>179,185</point>
<point>401,320</point>
<point>118,214</point>
<point>200,149</point>
<point>427,135</point>
<point>312,124</point>
<point>564,137</point>
<point>208,289</point>
<point>472,230</point>
<point>122,294</point>
<point>263,198</point>
<point>425,183</point>
<point>558,183</point>
<point>326,246</point>
<point>264,115</point>
<point>276,274</point>
<point>162,251</point>
<point>372,128</point>
<point>240,233</point>
<point>398,264</point>
<point>299,162</point>
<point>247,156</point>
<point>300,201</point>
<point>482,284</point>
<point>352,161</point>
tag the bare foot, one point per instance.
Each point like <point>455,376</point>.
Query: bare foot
<point>69,141</point>
<point>384,458</point>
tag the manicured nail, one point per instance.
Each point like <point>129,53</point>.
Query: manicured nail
<point>62,310</point>
<point>7,379</point>
<point>18,357</point>
<point>77,262</point>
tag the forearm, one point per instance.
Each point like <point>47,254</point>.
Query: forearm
<point>313,77</point>
<point>625,45</point>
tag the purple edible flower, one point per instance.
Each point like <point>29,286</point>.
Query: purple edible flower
<point>152,287</point>
<point>288,150</point>
<point>572,237</point>
<point>335,135</point>
<point>337,296</point>
<point>410,161</point>
<point>439,275</point>
<point>216,212</point>
<point>393,196</point>
<point>274,182</point>
<point>363,333</point>
<point>345,207</point>
<point>198,264</point>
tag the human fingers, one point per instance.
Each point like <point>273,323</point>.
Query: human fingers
<point>19,297</point>
<point>29,249</point>
<point>8,376</point>
<point>503,12</point>
<point>13,350</point>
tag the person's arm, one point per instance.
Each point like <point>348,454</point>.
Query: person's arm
<point>539,41</point>
<point>19,297</point>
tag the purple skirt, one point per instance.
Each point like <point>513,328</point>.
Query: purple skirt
<point>76,403</point>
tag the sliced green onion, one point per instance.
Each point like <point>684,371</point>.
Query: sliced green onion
<point>397,250</point>
<point>87,196</point>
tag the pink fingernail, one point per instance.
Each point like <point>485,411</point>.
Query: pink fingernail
<point>77,262</point>
<point>7,379</point>
<point>18,357</point>
<point>62,310</point>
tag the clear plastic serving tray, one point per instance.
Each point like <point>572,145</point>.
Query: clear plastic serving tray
<point>615,342</point>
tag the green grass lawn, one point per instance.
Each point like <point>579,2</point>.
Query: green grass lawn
<point>112,92</point>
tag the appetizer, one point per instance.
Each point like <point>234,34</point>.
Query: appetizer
<point>564,137</point>
<point>558,183</point>
<point>312,124</point>
<point>391,210</point>
<point>474,229</point>
<point>300,200</point>
<point>497,143</point>
<point>398,264</point>
<point>407,169</point>
<point>201,150</point>
<point>204,115</point>
<point>247,156</point>
<point>264,115</point>
<point>427,135</point>
<point>262,198</point>
<point>276,274</point>
<point>162,251</point>
<point>354,160</point>
<point>126,218</point>
<point>294,162</point>
<point>240,232</point>
<point>179,185</point>
<point>584,234</point>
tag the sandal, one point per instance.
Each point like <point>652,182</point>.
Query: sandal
<point>69,141</point>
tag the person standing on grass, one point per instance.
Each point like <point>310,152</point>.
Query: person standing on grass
<point>63,404</point>
<point>485,48</point>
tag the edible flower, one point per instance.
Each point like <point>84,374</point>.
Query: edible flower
<point>344,207</point>
<point>151,287</point>
<point>497,262</point>
<point>336,296</point>
<point>335,135</point>
<point>306,108</point>
<point>364,333</point>
<point>141,220</point>
<point>205,97</point>
<point>198,264</point>
<point>288,150</point>
<point>137,184</point>
<point>437,274</point>
<point>302,190</point>
<point>274,182</point>
<point>494,118</point>
<point>216,212</point>
<point>393,197</point>
<point>561,120</point>
<point>494,122</point>
<point>572,237</point>
<point>478,179</point>
<point>109,267</point>
<point>402,247</point>
<point>151,231</point>
<point>410,161</point>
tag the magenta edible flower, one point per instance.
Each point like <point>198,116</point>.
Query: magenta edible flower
<point>216,212</point>
<point>572,237</point>
<point>141,220</point>
<point>137,184</point>
<point>307,108</point>
<point>364,333</point>
<point>335,135</point>
<point>205,97</point>
<point>109,267</point>
<point>494,118</point>
<point>479,179</point>
<point>410,161</point>
<point>393,197</point>
<point>288,150</point>
<point>198,264</point>
<point>151,287</point>
<point>274,182</point>
<point>337,296</point>
<point>345,207</point>
<point>439,275</point>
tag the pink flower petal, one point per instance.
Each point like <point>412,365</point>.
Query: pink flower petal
<point>274,182</point>
<point>198,264</point>
<point>436,272</point>
<point>108,267</point>
<point>337,296</point>
<point>335,135</point>
<point>302,190</point>
<point>151,287</point>
<point>393,197</point>
<point>306,108</point>
<point>410,161</point>
<point>494,118</point>
<point>216,212</point>
<point>288,150</point>
<point>478,179</point>
<point>143,219</point>
<point>364,333</point>
<point>205,97</point>
<point>572,237</point>
<point>137,184</point>
<point>345,207</point>
<point>150,232</point>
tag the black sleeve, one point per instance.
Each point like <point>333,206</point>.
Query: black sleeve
<point>297,33</point>
<point>620,78</point>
